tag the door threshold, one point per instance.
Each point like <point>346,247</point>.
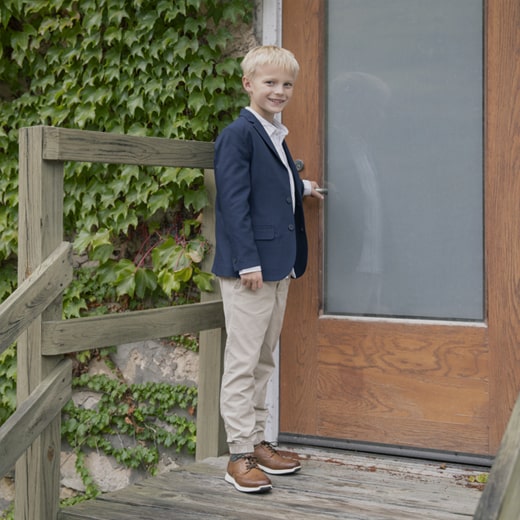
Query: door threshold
<point>388,449</point>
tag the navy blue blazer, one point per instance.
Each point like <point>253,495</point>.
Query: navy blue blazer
<point>255,223</point>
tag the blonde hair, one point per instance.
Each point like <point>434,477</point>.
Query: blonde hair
<point>269,55</point>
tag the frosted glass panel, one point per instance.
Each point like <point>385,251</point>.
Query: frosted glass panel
<point>404,213</point>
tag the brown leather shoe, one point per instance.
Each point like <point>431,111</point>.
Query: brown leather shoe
<point>271,461</point>
<point>245,475</point>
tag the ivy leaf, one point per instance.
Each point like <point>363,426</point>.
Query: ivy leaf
<point>162,253</point>
<point>125,221</point>
<point>117,15</point>
<point>84,114</point>
<point>193,25</point>
<point>92,22</point>
<point>200,68</point>
<point>233,12</point>
<point>19,42</point>
<point>123,270</point>
<point>102,253</point>
<point>195,250</point>
<point>167,282</point>
<point>129,172</point>
<point>196,199</point>
<point>197,100</point>
<point>187,176</point>
<point>112,34</point>
<point>134,103</point>
<point>85,239</point>
<point>159,200</point>
<point>144,279</point>
<point>204,281</point>
<point>182,46</point>
<point>169,175</point>
<point>228,66</point>
<point>214,84</point>
<point>74,307</point>
<point>183,275</point>
<point>126,286</point>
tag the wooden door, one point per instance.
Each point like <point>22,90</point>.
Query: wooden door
<point>429,385</point>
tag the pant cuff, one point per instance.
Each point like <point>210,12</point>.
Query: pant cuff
<point>241,448</point>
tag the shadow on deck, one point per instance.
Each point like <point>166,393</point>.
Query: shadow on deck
<point>331,485</point>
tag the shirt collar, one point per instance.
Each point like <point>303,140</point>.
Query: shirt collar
<point>275,129</point>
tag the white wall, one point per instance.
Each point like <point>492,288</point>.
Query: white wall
<point>269,30</point>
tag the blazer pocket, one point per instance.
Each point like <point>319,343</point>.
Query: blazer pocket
<point>264,232</point>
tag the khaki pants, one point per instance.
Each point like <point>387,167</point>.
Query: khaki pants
<point>253,323</point>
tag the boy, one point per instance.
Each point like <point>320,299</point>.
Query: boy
<point>260,244</point>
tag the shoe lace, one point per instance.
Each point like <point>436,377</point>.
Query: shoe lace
<point>270,447</point>
<point>251,462</point>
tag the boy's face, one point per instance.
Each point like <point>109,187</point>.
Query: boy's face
<point>269,90</point>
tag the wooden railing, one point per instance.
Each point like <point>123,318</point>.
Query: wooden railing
<point>500,500</point>
<point>30,438</point>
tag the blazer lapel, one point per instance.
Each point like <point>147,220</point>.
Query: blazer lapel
<point>257,125</point>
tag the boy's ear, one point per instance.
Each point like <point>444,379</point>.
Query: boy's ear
<point>246,83</point>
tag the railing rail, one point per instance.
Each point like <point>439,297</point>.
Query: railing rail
<point>75,335</point>
<point>35,414</point>
<point>34,295</point>
<point>32,314</point>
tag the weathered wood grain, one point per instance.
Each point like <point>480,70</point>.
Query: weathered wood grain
<point>400,382</point>
<point>65,336</point>
<point>34,294</point>
<point>64,144</point>
<point>40,231</point>
<point>500,498</point>
<point>211,436</point>
<point>330,486</point>
<point>34,414</point>
<point>43,337</point>
<point>502,218</point>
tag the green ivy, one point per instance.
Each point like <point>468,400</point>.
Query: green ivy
<point>158,68</point>
<point>147,415</point>
<point>147,67</point>
<point>7,383</point>
<point>144,67</point>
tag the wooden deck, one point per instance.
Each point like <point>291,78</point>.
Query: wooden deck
<point>331,485</point>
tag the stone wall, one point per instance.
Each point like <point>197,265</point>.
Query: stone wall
<point>149,361</point>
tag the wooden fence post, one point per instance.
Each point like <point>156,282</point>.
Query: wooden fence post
<point>211,437</point>
<point>499,501</point>
<point>40,219</point>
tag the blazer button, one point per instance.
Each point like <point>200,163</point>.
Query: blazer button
<point>291,227</point>
<point>288,200</point>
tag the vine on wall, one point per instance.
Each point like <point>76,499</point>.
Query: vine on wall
<point>141,413</point>
<point>161,68</point>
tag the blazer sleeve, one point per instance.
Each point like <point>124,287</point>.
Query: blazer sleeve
<point>233,151</point>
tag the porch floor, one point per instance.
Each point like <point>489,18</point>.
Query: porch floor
<point>331,485</point>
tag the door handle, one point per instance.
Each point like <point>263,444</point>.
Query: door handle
<point>300,165</point>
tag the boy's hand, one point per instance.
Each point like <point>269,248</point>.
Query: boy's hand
<point>314,193</point>
<point>252,281</point>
